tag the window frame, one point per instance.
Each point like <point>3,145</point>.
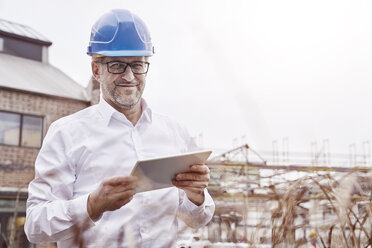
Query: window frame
<point>21,129</point>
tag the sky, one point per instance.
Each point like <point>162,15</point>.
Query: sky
<point>238,71</point>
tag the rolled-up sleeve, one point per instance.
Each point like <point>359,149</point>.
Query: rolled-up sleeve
<point>52,212</point>
<point>195,216</point>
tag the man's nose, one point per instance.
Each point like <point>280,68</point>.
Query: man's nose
<point>128,74</point>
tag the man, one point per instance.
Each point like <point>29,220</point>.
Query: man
<point>83,168</point>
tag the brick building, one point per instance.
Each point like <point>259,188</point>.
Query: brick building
<point>33,94</point>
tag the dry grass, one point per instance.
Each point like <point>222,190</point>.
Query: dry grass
<point>335,207</point>
<point>347,198</point>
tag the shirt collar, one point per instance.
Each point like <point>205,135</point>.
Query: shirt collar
<point>146,111</point>
<point>107,111</point>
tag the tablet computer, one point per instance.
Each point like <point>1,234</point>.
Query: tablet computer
<point>157,173</point>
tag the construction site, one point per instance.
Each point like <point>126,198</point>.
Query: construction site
<point>289,200</point>
<point>264,82</point>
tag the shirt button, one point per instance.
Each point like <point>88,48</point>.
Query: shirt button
<point>143,230</point>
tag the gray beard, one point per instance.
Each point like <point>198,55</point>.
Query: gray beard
<point>113,97</point>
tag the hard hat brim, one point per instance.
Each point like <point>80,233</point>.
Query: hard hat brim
<point>122,53</point>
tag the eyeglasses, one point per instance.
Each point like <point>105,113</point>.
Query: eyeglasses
<point>118,67</point>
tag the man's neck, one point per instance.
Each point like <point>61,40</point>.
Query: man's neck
<point>133,114</point>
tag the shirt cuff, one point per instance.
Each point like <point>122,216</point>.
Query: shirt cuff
<point>77,211</point>
<point>192,208</point>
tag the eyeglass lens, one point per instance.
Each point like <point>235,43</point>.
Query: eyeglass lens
<point>138,67</point>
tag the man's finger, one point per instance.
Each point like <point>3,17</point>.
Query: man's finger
<point>196,184</point>
<point>120,180</point>
<point>124,195</point>
<point>123,188</point>
<point>118,198</point>
<point>201,168</point>
<point>189,176</point>
<point>121,202</point>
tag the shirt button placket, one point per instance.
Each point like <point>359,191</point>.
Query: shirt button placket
<point>136,142</point>
<point>137,147</point>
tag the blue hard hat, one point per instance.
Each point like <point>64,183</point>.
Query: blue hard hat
<point>120,33</point>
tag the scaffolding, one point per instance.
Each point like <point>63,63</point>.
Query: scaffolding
<point>284,204</point>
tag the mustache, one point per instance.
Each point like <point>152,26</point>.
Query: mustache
<point>118,83</point>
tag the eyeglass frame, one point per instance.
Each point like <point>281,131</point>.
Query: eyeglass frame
<point>125,68</point>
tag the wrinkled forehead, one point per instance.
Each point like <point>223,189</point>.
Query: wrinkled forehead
<point>124,59</point>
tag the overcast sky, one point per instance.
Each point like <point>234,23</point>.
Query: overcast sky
<point>262,69</point>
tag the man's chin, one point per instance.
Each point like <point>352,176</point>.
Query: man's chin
<point>127,104</point>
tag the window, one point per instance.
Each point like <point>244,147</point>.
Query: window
<point>20,130</point>
<point>9,128</point>
<point>31,131</point>
<point>1,44</point>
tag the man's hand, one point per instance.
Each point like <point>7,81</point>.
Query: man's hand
<point>193,182</point>
<point>112,194</point>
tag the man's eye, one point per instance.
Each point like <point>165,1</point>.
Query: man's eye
<point>137,65</point>
<point>116,66</point>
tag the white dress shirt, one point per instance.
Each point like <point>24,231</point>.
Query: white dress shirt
<point>82,149</point>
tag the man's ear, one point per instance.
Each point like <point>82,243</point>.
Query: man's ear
<point>96,71</point>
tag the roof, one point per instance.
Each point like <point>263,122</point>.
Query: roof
<point>33,76</point>
<point>23,32</point>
